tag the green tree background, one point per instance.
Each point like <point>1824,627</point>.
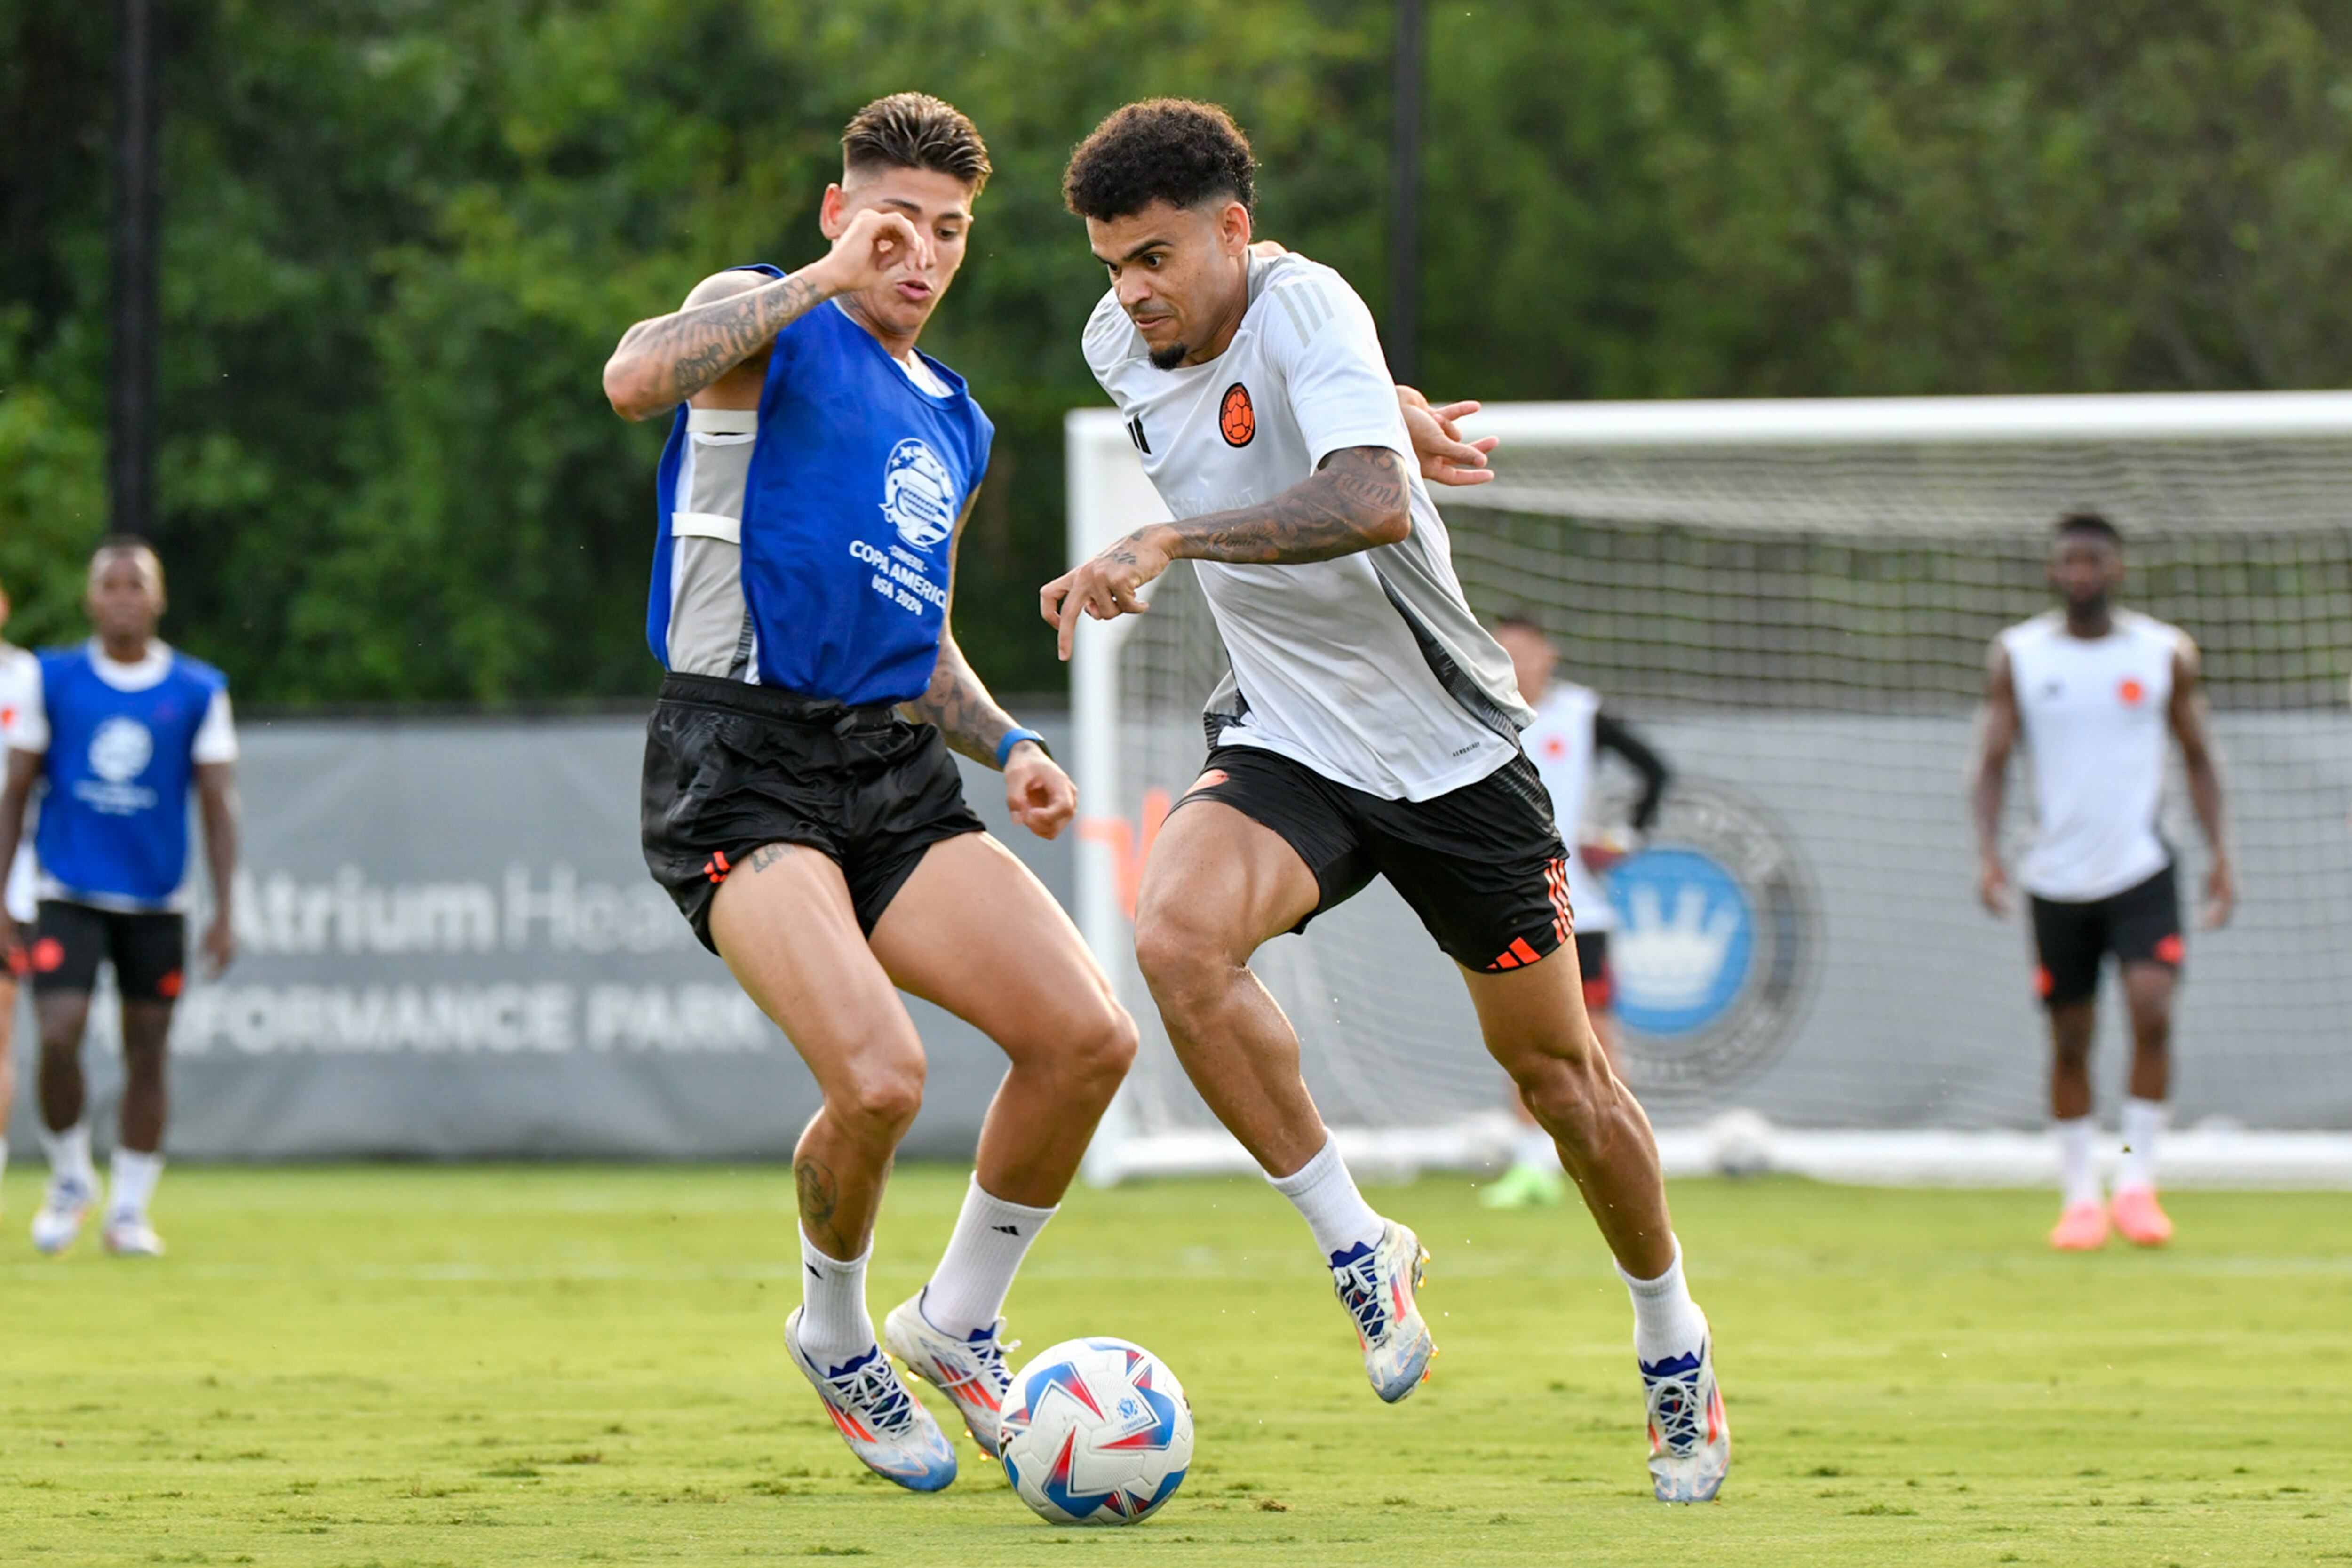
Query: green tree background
<point>402,236</point>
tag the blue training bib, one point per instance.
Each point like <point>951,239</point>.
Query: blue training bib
<point>114,823</point>
<point>858,477</point>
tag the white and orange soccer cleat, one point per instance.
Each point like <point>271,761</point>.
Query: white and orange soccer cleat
<point>1376,1284</point>
<point>2140,1218</point>
<point>971,1373</point>
<point>886,1427</point>
<point>2082,1228</point>
<point>130,1235</point>
<point>1690,1435</point>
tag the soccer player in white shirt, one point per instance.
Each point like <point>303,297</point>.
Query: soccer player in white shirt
<point>20,675</point>
<point>2093,691</point>
<point>1370,728</point>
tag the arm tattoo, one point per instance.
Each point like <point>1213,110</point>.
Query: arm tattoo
<point>1344,507</point>
<point>691,349</point>
<point>968,718</point>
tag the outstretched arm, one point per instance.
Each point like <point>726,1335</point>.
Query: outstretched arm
<point>1996,739</point>
<point>663,361</point>
<point>1358,500</point>
<point>1611,734</point>
<point>2193,727</point>
<point>1037,793</point>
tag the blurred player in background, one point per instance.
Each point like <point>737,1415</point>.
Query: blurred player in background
<point>2093,691</point>
<point>20,686</point>
<point>800,802</point>
<point>1370,728</point>
<point>118,733</point>
<point>1565,743</point>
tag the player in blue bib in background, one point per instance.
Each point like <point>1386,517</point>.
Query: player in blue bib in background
<point>117,733</point>
<point>800,802</point>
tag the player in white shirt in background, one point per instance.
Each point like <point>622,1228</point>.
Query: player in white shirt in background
<point>1369,728</point>
<point>2093,692</point>
<point>1565,743</point>
<point>19,685</point>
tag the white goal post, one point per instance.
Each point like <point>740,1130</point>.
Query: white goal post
<point>1791,600</point>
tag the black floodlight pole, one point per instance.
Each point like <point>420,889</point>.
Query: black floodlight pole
<point>1404,198</point>
<point>132,461</point>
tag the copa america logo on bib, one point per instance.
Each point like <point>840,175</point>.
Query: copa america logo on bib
<point>121,750</point>
<point>1717,945</point>
<point>917,494</point>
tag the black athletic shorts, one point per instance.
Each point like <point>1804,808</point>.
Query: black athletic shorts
<point>1482,865</point>
<point>150,951</point>
<point>729,767</point>
<point>2139,925</point>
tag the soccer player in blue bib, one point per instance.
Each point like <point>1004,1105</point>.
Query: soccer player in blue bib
<point>117,733</point>
<point>799,801</point>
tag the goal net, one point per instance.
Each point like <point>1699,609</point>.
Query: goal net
<point>1791,602</point>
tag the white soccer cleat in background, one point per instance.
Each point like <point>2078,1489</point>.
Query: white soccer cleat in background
<point>970,1371</point>
<point>886,1427</point>
<point>1690,1436</point>
<point>57,1223</point>
<point>130,1235</point>
<point>1376,1284</point>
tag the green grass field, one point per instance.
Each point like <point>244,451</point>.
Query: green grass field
<point>392,1366</point>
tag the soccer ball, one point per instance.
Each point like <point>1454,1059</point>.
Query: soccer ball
<point>1096,1432</point>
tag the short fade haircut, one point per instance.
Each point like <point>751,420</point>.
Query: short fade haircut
<point>1163,149</point>
<point>916,130</point>
<point>117,545</point>
<point>1520,620</point>
<point>2088,522</point>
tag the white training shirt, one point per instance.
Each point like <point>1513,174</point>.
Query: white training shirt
<point>20,692</point>
<point>2095,714</point>
<point>1370,668</point>
<point>1561,744</point>
<point>215,739</point>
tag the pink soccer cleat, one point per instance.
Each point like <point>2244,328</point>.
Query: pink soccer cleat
<point>2141,1219</point>
<point>2082,1228</point>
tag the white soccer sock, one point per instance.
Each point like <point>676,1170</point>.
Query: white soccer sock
<point>2143,1127</point>
<point>834,1328</point>
<point>1326,1197</point>
<point>1534,1147</point>
<point>992,1237</point>
<point>2078,1159</point>
<point>1666,1322</point>
<point>4,1156</point>
<point>134,1176</point>
<point>68,1154</point>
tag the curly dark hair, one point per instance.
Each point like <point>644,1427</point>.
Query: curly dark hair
<point>916,130</point>
<point>1163,149</point>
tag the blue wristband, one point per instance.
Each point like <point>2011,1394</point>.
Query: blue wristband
<point>1014,737</point>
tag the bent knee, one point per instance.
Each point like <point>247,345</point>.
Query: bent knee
<point>881,1095</point>
<point>1107,1048</point>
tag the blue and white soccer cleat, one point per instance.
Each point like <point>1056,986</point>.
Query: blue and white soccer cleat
<point>971,1373</point>
<point>57,1222</point>
<point>1376,1284</point>
<point>1690,1436</point>
<point>891,1434</point>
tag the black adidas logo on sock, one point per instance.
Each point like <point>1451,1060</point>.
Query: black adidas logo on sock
<point>1009,1229</point>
